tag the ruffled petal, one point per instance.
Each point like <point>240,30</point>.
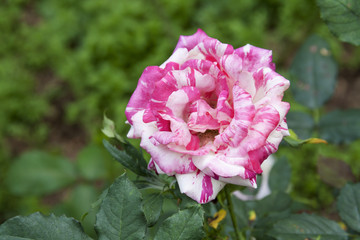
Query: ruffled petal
<point>189,42</point>
<point>221,164</point>
<point>179,56</point>
<point>213,49</point>
<point>143,92</point>
<point>199,186</point>
<point>254,58</point>
<point>269,84</point>
<point>244,112</point>
<point>202,117</point>
<point>168,161</point>
<point>265,121</point>
<point>237,180</point>
<point>233,66</point>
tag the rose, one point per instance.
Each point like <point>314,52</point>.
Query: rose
<point>209,115</point>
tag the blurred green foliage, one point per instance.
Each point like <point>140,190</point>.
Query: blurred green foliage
<point>63,63</point>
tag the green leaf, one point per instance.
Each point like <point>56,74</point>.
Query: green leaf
<point>348,204</point>
<point>294,141</point>
<point>38,173</point>
<point>263,225</point>
<point>7,237</point>
<point>131,158</point>
<point>275,202</point>
<point>185,224</point>
<point>280,175</point>
<point>241,212</point>
<point>90,163</point>
<point>315,73</point>
<point>120,215</point>
<point>340,126</point>
<point>342,18</point>
<point>300,227</point>
<point>301,123</point>
<point>109,129</point>
<point>334,172</point>
<point>152,208</point>
<point>38,226</point>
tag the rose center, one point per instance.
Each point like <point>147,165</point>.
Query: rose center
<point>207,136</point>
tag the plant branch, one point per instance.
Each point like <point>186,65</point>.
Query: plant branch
<point>238,234</point>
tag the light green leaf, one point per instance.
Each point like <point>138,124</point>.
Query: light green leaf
<point>38,226</point>
<point>120,215</point>
<point>184,225</point>
<point>109,129</point>
<point>342,18</point>
<point>348,204</point>
<point>302,226</point>
<point>294,141</point>
<point>315,73</point>
<point>340,126</point>
<point>38,173</point>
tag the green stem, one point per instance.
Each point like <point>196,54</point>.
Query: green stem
<point>239,236</point>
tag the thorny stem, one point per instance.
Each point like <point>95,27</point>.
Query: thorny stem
<point>239,235</point>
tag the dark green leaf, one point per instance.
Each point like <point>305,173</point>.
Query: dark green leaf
<point>334,172</point>
<point>120,215</point>
<point>152,208</point>
<point>275,202</point>
<point>315,73</point>
<point>340,126</point>
<point>301,123</point>
<point>7,237</point>
<point>348,204</point>
<point>280,175</point>
<point>38,226</point>
<point>241,212</point>
<point>264,224</point>
<point>135,154</point>
<point>90,162</point>
<point>38,173</point>
<point>131,158</point>
<point>342,18</point>
<point>302,226</point>
<point>186,224</point>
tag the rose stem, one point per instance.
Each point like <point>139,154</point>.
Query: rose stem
<point>239,236</point>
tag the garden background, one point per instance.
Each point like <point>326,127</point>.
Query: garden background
<point>64,63</point>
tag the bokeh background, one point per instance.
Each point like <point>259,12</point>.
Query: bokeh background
<point>63,63</point>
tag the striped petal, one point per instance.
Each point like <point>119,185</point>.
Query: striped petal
<point>200,187</point>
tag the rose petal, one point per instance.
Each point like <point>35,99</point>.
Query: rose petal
<point>269,84</point>
<point>233,66</point>
<point>243,115</point>
<point>254,58</point>
<point>265,121</point>
<point>221,164</point>
<point>202,117</point>
<point>143,92</point>
<point>237,180</point>
<point>179,56</point>
<point>189,42</point>
<point>199,186</point>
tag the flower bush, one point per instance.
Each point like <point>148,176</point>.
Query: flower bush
<point>210,114</point>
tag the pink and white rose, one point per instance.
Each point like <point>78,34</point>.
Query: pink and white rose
<point>210,115</point>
